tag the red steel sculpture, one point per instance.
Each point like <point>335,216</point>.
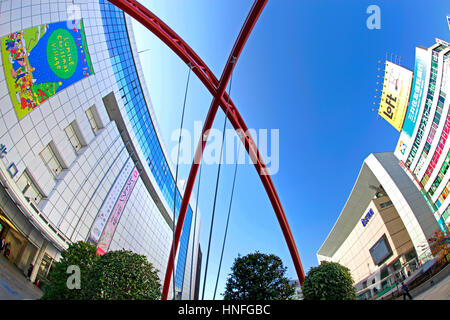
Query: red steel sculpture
<point>220,98</point>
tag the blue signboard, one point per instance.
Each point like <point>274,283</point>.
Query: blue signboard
<point>366,219</point>
<point>417,92</point>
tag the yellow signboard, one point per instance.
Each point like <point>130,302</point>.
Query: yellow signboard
<point>395,96</point>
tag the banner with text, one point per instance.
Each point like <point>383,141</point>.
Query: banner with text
<point>418,91</point>
<point>108,233</point>
<point>108,204</point>
<point>43,60</point>
<point>395,96</point>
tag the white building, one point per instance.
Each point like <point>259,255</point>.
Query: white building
<point>400,199</point>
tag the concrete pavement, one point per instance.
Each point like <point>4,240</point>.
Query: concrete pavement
<point>438,291</point>
<point>13,283</point>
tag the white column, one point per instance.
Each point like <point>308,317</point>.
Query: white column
<point>37,262</point>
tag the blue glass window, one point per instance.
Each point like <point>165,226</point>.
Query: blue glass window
<point>133,98</point>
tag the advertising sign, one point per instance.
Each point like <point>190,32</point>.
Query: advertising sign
<point>395,96</point>
<point>109,203</point>
<point>43,60</point>
<point>113,221</point>
<point>417,93</point>
<point>381,251</point>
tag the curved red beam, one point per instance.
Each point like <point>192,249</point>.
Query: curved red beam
<point>221,98</point>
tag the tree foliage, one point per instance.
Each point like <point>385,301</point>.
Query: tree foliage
<point>123,275</point>
<point>329,281</point>
<point>117,275</point>
<point>440,245</point>
<point>81,254</point>
<point>258,276</point>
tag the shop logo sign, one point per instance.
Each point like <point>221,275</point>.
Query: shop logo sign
<point>402,147</point>
<point>366,219</point>
<point>12,169</point>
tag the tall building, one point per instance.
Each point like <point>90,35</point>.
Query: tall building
<point>81,154</point>
<point>400,199</point>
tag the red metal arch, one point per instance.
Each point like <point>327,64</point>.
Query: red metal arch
<point>220,98</point>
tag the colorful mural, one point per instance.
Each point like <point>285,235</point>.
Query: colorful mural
<point>43,60</point>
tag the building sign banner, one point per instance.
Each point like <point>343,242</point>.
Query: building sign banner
<point>107,207</point>
<point>395,96</point>
<point>113,221</point>
<point>417,93</point>
<point>43,60</point>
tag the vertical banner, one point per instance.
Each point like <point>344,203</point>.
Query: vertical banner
<point>417,93</point>
<point>109,202</point>
<point>105,240</point>
<point>43,60</point>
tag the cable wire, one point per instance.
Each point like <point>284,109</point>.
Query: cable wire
<point>195,228</point>
<point>228,220</point>
<point>217,184</point>
<point>176,182</point>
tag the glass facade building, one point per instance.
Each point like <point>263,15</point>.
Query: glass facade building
<point>119,48</point>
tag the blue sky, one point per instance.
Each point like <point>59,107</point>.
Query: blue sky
<point>308,69</point>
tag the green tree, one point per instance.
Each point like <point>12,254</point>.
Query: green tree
<point>122,275</point>
<point>258,276</point>
<point>80,254</point>
<point>329,281</point>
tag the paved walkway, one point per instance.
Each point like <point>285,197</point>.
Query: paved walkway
<point>13,283</point>
<point>439,291</point>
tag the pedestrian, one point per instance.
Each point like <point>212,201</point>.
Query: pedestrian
<point>2,245</point>
<point>7,250</point>
<point>30,270</point>
<point>405,292</point>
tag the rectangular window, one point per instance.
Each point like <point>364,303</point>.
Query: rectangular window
<point>385,204</point>
<point>51,161</point>
<point>73,137</point>
<point>91,117</point>
<point>29,189</point>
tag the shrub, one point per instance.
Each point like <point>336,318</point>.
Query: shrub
<point>329,281</point>
<point>81,254</point>
<point>122,275</point>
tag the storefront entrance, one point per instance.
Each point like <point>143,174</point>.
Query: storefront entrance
<point>18,250</point>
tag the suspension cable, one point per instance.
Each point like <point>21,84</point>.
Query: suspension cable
<point>195,228</point>
<point>176,181</point>
<point>228,220</point>
<point>217,185</point>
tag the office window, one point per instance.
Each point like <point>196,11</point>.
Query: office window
<point>51,161</point>
<point>94,125</point>
<point>73,137</point>
<point>29,189</point>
